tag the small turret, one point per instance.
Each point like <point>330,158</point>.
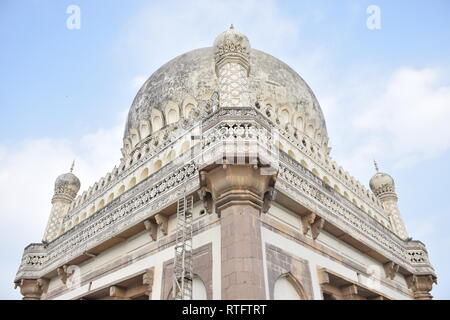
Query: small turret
<point>383,186</point>
<point>232,64</point>
<point>67,186</point>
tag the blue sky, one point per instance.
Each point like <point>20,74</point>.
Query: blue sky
<point>65,94</point>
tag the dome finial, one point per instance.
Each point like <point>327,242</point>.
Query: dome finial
<point>73,164</point>
<point>376,165</point>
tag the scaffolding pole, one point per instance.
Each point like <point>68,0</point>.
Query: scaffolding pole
<point>183,262</point>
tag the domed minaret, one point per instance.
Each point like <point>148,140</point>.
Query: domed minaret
<point>383,186</point>
<point>232,54</point>
<point>67,186</point>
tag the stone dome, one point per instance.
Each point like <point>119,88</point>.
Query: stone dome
<point>67,184</point>
<point>382,183</point>
<point>189,81</point>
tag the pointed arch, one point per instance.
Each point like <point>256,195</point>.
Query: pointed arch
<point>156,166</point>
<point>157,120</point>
<point>132,183</point>
<point>170,156</point>
<point>121,190</point>
<point>287,287</point>
<point>172,112</point>
<point>185,147</point>
<point>292,154</point>
<point>111,197</point>
<point>143,175</point>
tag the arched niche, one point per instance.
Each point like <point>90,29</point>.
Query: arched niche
<point>187,109</point>
<point>144,128</point>
<point>310,131</point>
<point>132,183</point>
<point>111,197</point>
<point>101,204</point>
<point>292,154</point>
<point>299,123</point>
<point>134,136</point>
<point>121,190</point>
<point>144,174</point>
<point>185,147</point>
<point>288,288</point>
<point>172,113</point>
<point>171,156</point>
<point>198,289</point>
<point>156,166</point>
<point>189,104</point>
<point>284,116</point>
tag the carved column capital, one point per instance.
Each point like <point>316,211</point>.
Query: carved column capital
<point>421,286</point>
<point>32,289</point>
<point>229,185</point>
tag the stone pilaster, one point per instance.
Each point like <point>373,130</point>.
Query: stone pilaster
<point>238,192</point>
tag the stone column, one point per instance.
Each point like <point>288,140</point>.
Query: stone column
<point>242,264</point>
<point>239,193</point>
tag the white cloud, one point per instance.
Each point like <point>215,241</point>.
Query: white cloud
<point>163,30</point>
<point>411,115</point>
<point>28,170</point>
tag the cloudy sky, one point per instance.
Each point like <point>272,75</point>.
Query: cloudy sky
<point>65,94</point>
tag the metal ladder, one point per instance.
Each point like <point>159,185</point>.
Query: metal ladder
<point>183,262</point>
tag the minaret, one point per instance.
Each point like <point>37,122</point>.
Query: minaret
<point>66,187</point>
<point>232,54</point>
<point>383,187</point>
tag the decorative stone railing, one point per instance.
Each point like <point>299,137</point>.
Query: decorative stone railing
<point>162,188</point>
<point>301,185</point>
<point>129,169</point>
<point>134,206</point>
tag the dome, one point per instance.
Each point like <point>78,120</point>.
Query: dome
<point>188,82</point>
<point>381,183</point>
<point>67,184</point>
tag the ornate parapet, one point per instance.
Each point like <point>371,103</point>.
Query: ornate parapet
<point>134,206</point>
<point>301,185</point>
